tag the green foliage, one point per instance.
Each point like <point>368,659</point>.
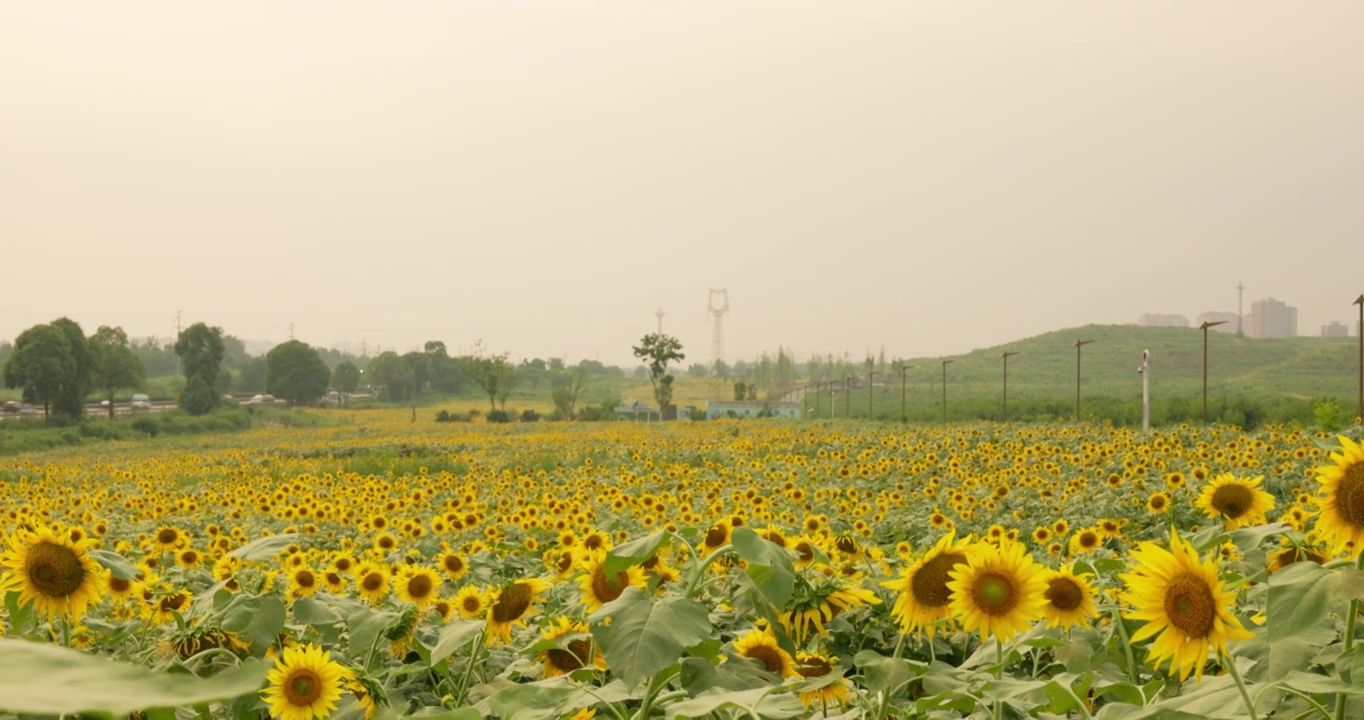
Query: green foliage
<point>70,400</point>
<point>296,373</point>
<point>658,350</point>
<point>346,377</point>
<point>201,350</point>
<point>1328,415</point>
<point>114,364</point>
<point>640,636</point>
<point>252,376</point>
<point>391,376</point>
<point>42,364</point>
<point>491,373</point>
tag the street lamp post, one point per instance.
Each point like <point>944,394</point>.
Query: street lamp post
<point>871,387</point>
<point>847,396</point>
<point>831,398</point>
<point>1204,327</point>
<point>904,395</point>
<point>1360,332</point>
<point>1078,344</point>
<point>945,363</point>
<point>1006,355</point>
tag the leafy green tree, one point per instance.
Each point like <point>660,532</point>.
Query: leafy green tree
<point>41,364</point>
<point>70,400</point>
<point>488,372</point>
<point>420,363</point>
<point>295,372</point>
<point>116,366</point>
<point>390,374</point>
<point>657,350</point>
<point>567,384</point>
<point>346,378</point>
<point>252,377</point>
<point>201,349</point>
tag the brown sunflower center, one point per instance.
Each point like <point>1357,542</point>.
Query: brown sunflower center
<point>715,536</point>
<point>929,584</point>
<point>571,659</point>
<point>565,561</point>
<point>372,582</point>
<point>303,687</point>
<point>471,603</point>
<point>453,563</point>
<point>119,585</point>
<point>805,551</point>
<point>814,667</point>
<point>512,603</point>
<point>305,578</point>
<point>769,656</point>
<point>608,589</point>
<point>994,594</point>
<point>1158,502</point>
<point>167,536</point>
<point>1350,495</point>
<point>1190,606</point>
<point>419,586</point>
<point>333,579</point>
<point>343,564</point>
<point>173,602</point>
<point>1232,501</point>
<point>1089,540</point>
<point>1064,594</point>
<point>54,570</point>
<point>846,544</point>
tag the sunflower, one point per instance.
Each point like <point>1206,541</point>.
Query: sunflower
<point>761,645</point>
<point>998,591</point>
<point>809,613</point>
<point>371,581</point>
<point>813,667</point>
<point>924,597</point>
<point>1086,540</point>
<point>333,581</point>
<point>188,558</point>
<point>168,538</point>
<point>304,684</point>
<point>166,607</point>
<point>1341,520</point>
<point>1237,502</point>
<point>1069,599</point>
<point>471,602</point>
<point>1159,502</point>
<point>416,585</point>
<point>511,604</point>
<point>1182,599</point>
<point>598,589</point>
<point>54,574</point>
<point>303,582</point>
<point>1280,559</point>
<point>454,565</point>
<point>569,655</point>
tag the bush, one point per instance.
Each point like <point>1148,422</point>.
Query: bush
<point>147,425</point>
<point>530,416</point>
<point>1328,416</point>
<point>498,416</point>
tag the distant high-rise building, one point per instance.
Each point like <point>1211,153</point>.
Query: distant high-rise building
<point>1335,329</point>
<point>1158,320</point>
<point>1228,320</point>
<point>1270,318</point>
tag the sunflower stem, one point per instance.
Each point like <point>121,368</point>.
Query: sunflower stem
<point>1349,644</point>
<point>999,675</point>
<point>696,579</point>
<point>469,669</point>
<point>1126,646</point>
<point>1240,685</point>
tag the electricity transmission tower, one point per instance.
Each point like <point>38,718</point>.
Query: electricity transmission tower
<point>718,304</point>
<point>659,312</point>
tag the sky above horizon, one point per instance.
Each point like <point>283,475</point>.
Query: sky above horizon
<point>927,178</point>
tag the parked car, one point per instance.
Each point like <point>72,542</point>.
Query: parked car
<point>261,400</point>
<point>10,407</point>
<point>141,402</point>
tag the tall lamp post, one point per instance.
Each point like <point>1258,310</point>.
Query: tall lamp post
<point>847,396</point>
<point>1078,344</point>
<point>904,395</point>
<point>1006,355</point>
<point>871,386</point>
<point>945,363</point>
<point>1204,327</point>
<point>1360,332</point>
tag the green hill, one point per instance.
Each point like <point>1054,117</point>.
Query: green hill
<point>1289,374</point>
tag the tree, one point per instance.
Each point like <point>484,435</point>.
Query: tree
<point>295,372</point>
<point>658,350</point>
<point>41,364</point>
<point>116,366</point>
<point>70,400</point>
<point>391,375</point>
<point>420,363</point>
<point>567,385</point>
<point>252,377</point>
<point>488,372</point>
<point>201,349</point>
<point>346,378</point>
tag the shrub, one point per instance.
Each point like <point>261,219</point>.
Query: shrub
<point>498,416</point>
<point>530,416</point>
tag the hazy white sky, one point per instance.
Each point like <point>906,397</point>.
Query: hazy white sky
<point>931,177</point>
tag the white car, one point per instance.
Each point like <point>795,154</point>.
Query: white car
<point>140,402</point>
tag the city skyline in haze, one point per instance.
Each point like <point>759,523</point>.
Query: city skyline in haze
<point>543,176</point>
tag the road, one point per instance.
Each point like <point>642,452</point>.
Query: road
<point>102,411</point>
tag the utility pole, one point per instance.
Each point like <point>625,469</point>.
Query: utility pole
<point>177,340</point>
<point>1240,307</point>
<point>871,376</point>
<point>659,312</point>
<point>1145,370</point>
<point>904,395</point>
<point>1360,333</point>
<point>291,331</point>
<point>1078,344</point>
<point>847,396</point>
<point>1006,355</point>
<point>1204,327</point>
<point>944,390</point>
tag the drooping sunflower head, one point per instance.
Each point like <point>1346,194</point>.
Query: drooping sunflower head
<point>924,598</point>
<point>53,573</point>
<point>511,605</point>
<point>1182,599</point>
<point>305,684</point>
<point>573,650</point>
<point>817,667</point>
<point>599,588</point>
<point>762,647</point>
<point>1069,599</point>
<point>999,591</point>
<point>417,585</point>
<point>1342,503</point>
<point>1238,502</point>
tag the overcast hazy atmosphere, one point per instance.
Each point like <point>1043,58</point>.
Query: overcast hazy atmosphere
<point>928,177</point>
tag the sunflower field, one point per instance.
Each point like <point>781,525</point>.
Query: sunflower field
<point>732,569</point>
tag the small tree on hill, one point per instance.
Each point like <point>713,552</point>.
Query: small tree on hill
<point>116,366</point>
<point>657,350</point>
<point>295,372</point>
